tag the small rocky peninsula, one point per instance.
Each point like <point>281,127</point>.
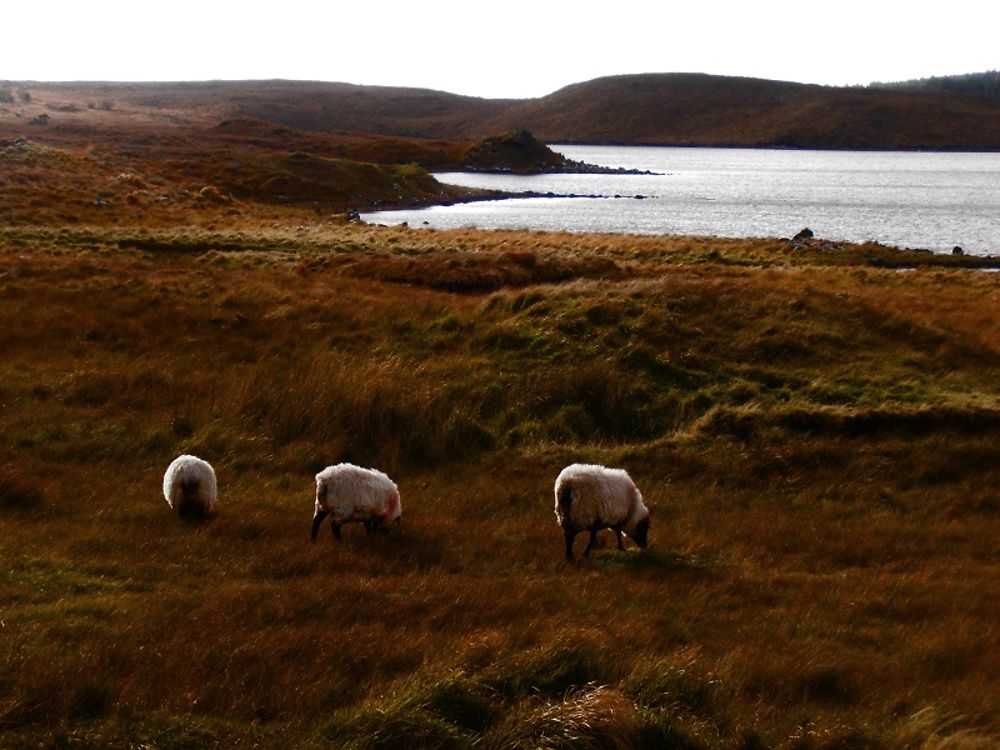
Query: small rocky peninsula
<point>520,152</point>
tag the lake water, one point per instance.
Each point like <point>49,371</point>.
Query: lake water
<point>921,200</point>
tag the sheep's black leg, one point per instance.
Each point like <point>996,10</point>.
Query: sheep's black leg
<point>590,544</point>
<point>317,520</point>
<point>618,533</point>
<point>570,535</point>
<point>368,526</point>
<point>336,530</point>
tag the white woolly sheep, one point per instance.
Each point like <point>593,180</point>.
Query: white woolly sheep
<point>190,488</point>
<point>348,493</point>
<point>591,498</point>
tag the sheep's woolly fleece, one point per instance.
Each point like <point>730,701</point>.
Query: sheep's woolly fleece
<point>353,493</point>
<point>601,497</point>
<point>189,486</point>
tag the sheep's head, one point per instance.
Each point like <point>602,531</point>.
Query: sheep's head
<point>189,506</point>
<point>640,533</point>
<point>381,524</point>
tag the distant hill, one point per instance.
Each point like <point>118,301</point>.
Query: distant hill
<point>663,109</point>
<point>303,105</point>
<point>691,109</point>
<point>987,84</point>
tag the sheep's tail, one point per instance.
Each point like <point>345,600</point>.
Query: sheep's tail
<point>565,499</point>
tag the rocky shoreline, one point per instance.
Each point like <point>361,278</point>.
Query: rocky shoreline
<point>479,195</point>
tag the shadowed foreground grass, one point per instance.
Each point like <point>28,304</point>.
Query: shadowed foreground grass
<point>816,437</point>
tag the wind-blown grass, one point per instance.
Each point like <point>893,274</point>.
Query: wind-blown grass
<point>817,441</point>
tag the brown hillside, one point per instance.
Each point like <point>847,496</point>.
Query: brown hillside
<point>673,109</point>
<point>690,109</point>
<point>111,166</point>
<point>665,109</point>
<point>306,105</point>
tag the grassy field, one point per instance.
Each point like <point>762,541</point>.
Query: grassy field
<point>816,436</point>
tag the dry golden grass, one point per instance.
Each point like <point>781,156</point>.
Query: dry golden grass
<point>134,166</point>
<point>817,440</point>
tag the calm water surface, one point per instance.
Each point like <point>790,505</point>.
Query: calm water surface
<point>923,200</point>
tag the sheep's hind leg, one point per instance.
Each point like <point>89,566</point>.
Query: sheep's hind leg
<point>590,544</point>
<point>336,530</point>
<point>618,533</point>
<point>368,526</point>
<point>570,535</point>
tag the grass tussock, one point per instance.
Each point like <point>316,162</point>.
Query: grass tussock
<point>598,718</point>
<point>464,710</point>
<point>482,273</point>
<point>20,493</point>
<point>819,453</point>
<point>384,412</point>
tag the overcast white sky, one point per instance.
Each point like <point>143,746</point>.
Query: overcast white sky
<point>495,49</point>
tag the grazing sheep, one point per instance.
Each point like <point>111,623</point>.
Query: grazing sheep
<point>190,488</point>
<point>347,493</point>
<point>590,498</point>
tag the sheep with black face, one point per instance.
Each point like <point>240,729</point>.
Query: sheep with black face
<point>190,488</point>
<point>591,498</point>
